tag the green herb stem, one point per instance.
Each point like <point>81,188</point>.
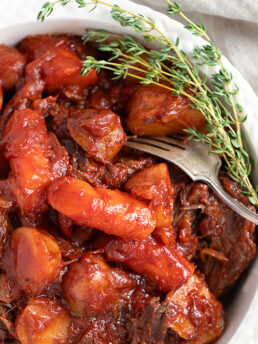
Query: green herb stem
<point>170,68</point>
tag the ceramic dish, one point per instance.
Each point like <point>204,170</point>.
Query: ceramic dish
<point>75,21</point>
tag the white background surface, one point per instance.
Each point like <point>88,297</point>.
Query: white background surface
<point>231,35</point>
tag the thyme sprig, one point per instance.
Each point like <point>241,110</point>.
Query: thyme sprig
<point>171,68</point>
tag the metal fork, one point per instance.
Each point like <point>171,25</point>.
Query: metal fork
<point>195,160</point>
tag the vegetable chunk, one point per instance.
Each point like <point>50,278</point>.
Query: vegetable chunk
<point>12,65</point>
<point>154,184</point>
<point>35,157</point>
<point>43,321</point>
<point>91,287</point>
<point>111,211</point>
<point>32,259</point>
<point>98,132</point>
<point>153,111</point>
<point>160,264</point>
<point>34,46</point>
<point>57,69</point>
<point>194,313</point>
<point>62,69</point>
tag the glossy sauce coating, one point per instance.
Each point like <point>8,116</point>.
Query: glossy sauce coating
<point>154,184</point>
<point>32,259</point>
<point>153,111</point>
<point>43,321</point>
<point>62,69</point>
<point>112,211</point>
<point>35,157</point>
<point>98,132</point>
<point>91,287</point>
<point>1,97</point>
<point>34,46</point>
<point>162,265</point>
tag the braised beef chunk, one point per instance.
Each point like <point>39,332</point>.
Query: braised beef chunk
<point>105,330</point>
<point>100,243</point>
<point>236,241</point>
<point>149,327</point>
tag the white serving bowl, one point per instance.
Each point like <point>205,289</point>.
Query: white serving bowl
<point>73,20</point>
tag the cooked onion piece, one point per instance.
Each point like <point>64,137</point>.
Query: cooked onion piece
<point>32,259</point>
<point>215,254</point>
<point>43,321</point>
<point>91,287</point>
<point>5,289</point>
<point>111,211</point>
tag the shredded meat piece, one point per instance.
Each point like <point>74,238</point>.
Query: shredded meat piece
<point>112,175</point>
<point>203,215</point>
<point>150,327</point>
<point>235,241</point>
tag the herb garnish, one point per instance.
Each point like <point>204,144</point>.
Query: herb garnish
<point>171,68</point>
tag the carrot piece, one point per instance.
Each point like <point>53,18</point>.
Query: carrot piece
<point>162,265</point>
<point>112,211</point>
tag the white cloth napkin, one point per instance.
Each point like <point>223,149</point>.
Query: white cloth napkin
<point>232,24</point>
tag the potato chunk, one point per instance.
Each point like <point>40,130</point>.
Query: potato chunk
<point>153,111</point>
<point>162,265</point>
<point>111,211</point>
<point>43,321</point>
<point>35,156</point>
<point>91,287</point>
<point>194,313</point>
<point>32,259</point>
<point>12,64</point>
<point>154,184</point>
<point>34,46</point>
<point>62,69</point>
<point>98,132</point>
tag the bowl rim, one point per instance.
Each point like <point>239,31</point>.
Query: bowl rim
<point>13,33</point>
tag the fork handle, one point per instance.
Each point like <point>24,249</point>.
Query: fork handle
<point>238,207</point>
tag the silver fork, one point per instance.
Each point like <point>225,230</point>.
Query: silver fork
<point>195,160</point>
